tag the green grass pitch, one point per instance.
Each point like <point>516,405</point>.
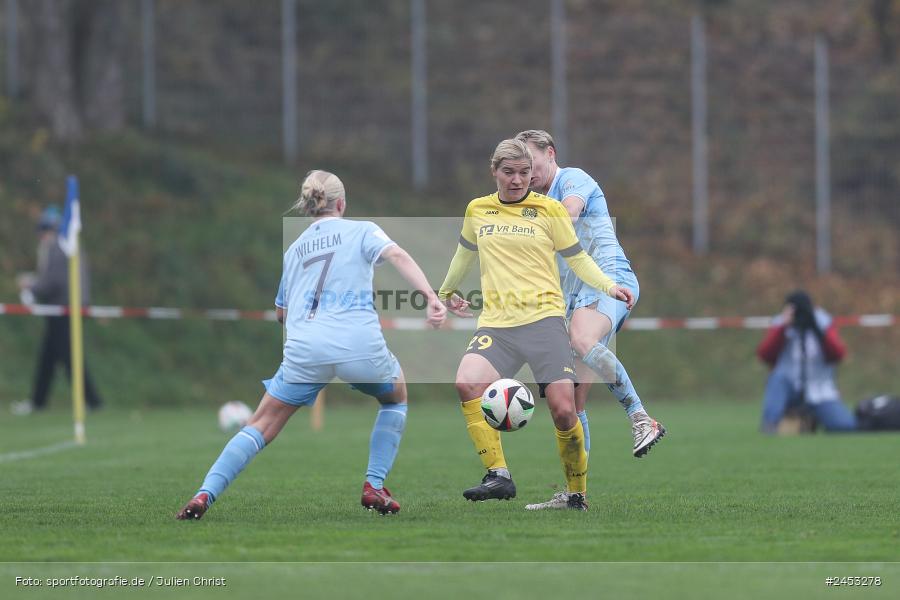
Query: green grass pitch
<point>715,510</point>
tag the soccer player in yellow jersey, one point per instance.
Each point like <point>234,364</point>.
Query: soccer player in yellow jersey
<point>516,234</point>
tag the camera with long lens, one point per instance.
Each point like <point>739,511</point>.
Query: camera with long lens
<point>804,317</point>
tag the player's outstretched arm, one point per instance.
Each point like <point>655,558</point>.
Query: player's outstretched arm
<point>412,273</point>
<point>460,265</point>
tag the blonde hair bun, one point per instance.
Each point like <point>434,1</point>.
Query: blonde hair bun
<point>319,193</point>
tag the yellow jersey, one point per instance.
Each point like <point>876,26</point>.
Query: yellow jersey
<point>517,244</point>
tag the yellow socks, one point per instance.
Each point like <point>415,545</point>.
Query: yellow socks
<point>487,443</point>
<point>485,437</point>
<point>574,458</point>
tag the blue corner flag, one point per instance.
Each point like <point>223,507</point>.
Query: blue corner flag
<point>71,221</point>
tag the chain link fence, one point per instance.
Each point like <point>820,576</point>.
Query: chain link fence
<point>218,74</point>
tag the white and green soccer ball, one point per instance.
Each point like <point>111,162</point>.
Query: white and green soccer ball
<point>234,415</point>
<point>507,405</point>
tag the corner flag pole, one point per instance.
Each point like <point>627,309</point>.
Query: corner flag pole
<point>68,240</point>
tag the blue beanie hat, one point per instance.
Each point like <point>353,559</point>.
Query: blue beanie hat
<point>50,218</point>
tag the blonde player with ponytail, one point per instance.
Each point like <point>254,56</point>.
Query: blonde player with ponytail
<point>332,330</point>
<point>594,317</point>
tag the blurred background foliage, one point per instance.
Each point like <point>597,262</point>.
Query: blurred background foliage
<point>188,213</point>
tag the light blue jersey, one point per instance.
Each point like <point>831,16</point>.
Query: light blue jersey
<point>597,235</point>
<point>594,227</point>
<point>326,288</point>
<point>332,331</point>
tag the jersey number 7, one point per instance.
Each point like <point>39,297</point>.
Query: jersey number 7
<point>321,283</point>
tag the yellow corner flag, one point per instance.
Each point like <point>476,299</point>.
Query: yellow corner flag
<point>69,231</point>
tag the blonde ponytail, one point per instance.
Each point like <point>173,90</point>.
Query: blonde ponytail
<point>319,193</point>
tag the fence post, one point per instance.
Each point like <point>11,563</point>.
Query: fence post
<point>289,79</point>
<point>699,135</point>
<point>12,48</point>
<point>823,158</point>
<point>148,61</point>
<point>559,85</point>
<point>419,76</point>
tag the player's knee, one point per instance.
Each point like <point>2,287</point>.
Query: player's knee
<point>396,396</point>
<point>563,416</point>
<point>562,411</point>
<point>467,390</point>
<point>582,343</point>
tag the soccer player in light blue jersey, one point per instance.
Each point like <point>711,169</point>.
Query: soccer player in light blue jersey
<point>326,302</point>
<point>594,317</point>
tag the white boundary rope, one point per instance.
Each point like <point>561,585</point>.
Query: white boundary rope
<point>416,324</point>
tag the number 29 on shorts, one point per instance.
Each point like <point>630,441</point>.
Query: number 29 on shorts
<point>484,342</point>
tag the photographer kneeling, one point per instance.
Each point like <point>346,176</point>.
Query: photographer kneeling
<point>802,347</point>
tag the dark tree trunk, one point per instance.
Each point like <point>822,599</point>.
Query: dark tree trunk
<point>78,83</point>
<point>101,82</point>
<point>54,82</point>
<point>885,16</point>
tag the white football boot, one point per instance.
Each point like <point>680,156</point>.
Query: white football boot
<point>559,500</point>
<point>646,433</point>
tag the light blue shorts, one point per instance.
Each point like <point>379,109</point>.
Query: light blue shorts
<point>582,295</point>
<point>372,376</point>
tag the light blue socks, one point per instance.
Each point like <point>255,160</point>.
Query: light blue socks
<point>384,443</point>
<point>582,416</point>
<point>245,444</point>
<point>605,364</point>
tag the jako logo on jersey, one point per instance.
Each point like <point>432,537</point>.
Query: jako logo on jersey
<point>492,212</point>
<point>529,213</point>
